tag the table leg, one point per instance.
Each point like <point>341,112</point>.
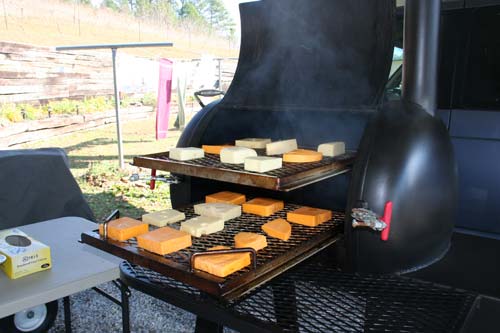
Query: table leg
<point>125,294</point>
<point>67,314</point>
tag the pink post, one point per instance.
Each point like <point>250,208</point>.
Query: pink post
<point>164,98</point>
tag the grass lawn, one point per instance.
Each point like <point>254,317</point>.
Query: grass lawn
<point>94,164</point>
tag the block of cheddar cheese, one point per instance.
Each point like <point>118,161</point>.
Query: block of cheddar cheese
<point>281,147</point>
<point>227,197</point>
<point>222,265</point>
<point>254,143</point>
<point>164,240</point>
<point>124,228</point>
<point>332,149</point>
<point>263,206</point>
<point>250,239</point>
<point>278,228</point>
<point>186,154</point>
<point>211,149</point>
<point>163,217</point>
<point>236,155</point>
<point>309,216</point>
<point>302,156</point>
<point>202,225</point>
<point>263,163</point>
<point>223,210</point>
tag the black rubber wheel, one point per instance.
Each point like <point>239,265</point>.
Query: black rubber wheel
<point>34,320</point>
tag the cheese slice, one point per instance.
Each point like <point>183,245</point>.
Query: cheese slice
<point>222,265</point>
<point>263,206</point>
<point>202,225</point>
<point>225,211</point>
<point>227,197</point>
<point>309,216</point>
<point>278,228</point>
<point>163,217</point>
<point>164,240</point>
<point>236,155</point>
<point>262,163</point>
<point>332,149</point>
<point>209,149</point>
<point>250,239</point>
<point>186,154</point>
<point>254,143</point>
<point>302,156</point>
<point>281,147</point>
<point>124,228</point>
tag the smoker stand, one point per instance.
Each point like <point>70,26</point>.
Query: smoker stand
<point>316,296</point>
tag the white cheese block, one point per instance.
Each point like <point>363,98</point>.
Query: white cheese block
<point>254,143</point>
<point>281,147</point>
<point>202,225</point>
<point>263,163</point>
<point>236,155</point>
<point>332,149</point>
<point>225,211</point>
<point>164,217</point>
<point>186,154</point>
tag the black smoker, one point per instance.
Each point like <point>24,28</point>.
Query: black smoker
<point>316,71</point>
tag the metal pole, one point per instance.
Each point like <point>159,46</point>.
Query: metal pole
<point>117,111</point>
<point>220,74</point>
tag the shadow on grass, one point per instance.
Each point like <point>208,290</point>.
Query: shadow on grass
<point>99,142</point>
<point>103,203</point>
<point>82,162</point>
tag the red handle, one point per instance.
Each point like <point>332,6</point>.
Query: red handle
<point>384,235</point>
<point>152,182</point>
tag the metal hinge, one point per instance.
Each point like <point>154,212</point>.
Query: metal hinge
<point>172,179</point>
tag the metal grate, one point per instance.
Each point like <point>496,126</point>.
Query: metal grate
<point>289,177</point>
<point>304,242</point>
<point>319,298</point>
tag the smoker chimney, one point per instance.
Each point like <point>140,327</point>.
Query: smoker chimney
<point>421,38</point>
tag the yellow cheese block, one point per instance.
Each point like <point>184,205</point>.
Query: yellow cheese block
<point>211,149</point>
<point>250,239</point>
<point>222,265</point>
<point>309,216</point>
<point>227,197</point>
<point>164,240</point>
<point>278,228</point>
<point>302,156</point>
<point>124,228</point>
<point>263,206</point>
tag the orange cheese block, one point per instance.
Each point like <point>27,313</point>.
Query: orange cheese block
<point>226,197</point>
<point>309,216</point>
<point>164,240</point>
<point>302,156</point>
<point>222,265</point>
<point>278,228</point>
<point>124,228</point>
<point>263,206</point>
<point>250,239</point>
<point>210,149</point>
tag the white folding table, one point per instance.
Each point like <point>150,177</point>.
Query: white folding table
<point>75,267</point>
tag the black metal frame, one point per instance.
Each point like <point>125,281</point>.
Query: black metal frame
<point>123,303</point>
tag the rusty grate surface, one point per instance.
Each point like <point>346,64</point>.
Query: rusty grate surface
<point>304,242</point>
<point>289,177</point>
<point>318,298</point>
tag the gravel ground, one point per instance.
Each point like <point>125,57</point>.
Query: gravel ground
<point>91,312</point>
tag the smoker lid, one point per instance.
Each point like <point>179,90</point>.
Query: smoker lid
<point>313,54</point>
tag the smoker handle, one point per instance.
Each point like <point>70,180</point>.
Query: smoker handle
<point>363,217</point>
<point>230,251</point>
<point>206,93</point>
<point>114,215</point>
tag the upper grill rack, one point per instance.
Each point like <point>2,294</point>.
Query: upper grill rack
<point>291,176</point>
<point>276,257</point>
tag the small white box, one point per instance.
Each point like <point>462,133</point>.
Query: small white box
<point>263,163</point>
<point>186,154</point>
<point>281,147</point>
<point>236,155</point>
<point>164,217</point>
<point>202,225</point>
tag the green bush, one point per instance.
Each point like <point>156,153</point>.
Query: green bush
<point>11,113</point>
<point>149,99</point>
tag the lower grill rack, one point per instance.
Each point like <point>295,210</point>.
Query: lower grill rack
<point>277,257</point>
